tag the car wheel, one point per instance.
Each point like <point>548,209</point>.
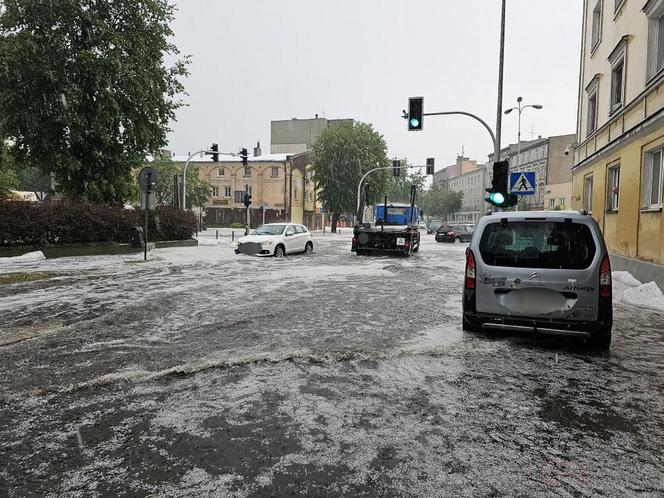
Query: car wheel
<point>457,240</point>
<point>279,251</point>
<point>237,252</point>
<point>467,326</point>
<point>601,342</point>
<point>309,248</point>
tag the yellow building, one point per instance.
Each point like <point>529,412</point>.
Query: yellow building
<point>617,173</point>
<point>280,186</point>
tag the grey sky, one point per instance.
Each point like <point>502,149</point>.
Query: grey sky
<point>258,60</point>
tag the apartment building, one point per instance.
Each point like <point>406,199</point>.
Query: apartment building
<point>618,172</point>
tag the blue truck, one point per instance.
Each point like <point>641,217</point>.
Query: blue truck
<point>395,230</point>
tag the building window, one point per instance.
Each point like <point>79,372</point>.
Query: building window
<point>221,171</point>
<point>552,203</point>
<point>597,25</point>
<point>592,112</point>
<point>247,171</point>
<point>215,191</point>
<point>617,84</point>
<point>613,188</point>
<point>239,196</point>
<point>275,172</point>
<point>655,13</point>
<point>652,180</point>
<point>588,194</point>
<point>561,201</point>
<point>227,191</point>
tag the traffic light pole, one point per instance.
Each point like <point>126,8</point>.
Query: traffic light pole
<point>463,113</point>
<point>359,185</point>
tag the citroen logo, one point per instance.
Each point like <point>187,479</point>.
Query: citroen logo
<point>535,276</point>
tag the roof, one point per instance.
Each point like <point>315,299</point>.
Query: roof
<point>540,214</point>
<point>264,158</point>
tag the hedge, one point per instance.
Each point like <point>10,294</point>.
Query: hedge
<point>27,224</point>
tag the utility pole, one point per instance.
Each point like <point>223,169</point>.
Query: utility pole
<point>501,64</point>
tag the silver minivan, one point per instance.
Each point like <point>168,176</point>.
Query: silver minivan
<point>539,271</point>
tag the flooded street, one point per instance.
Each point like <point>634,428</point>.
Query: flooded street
<point>204,373</point>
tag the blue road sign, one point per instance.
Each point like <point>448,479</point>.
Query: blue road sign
<point>522,183</point>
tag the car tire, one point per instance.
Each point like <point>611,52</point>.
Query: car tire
<point>601,342</point>
<point>466,326</point>
<point>309,248</point>
<point>457,240</point>
<point>279,251</point>
<point>237,252</point>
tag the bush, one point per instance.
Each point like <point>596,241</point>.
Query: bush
<point>238,225</point>
<point>25,224</point>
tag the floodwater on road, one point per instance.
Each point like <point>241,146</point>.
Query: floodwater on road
<point>202,372</point>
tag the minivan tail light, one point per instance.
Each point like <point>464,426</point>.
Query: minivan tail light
<point>605,277</point>
<point>470,269</point>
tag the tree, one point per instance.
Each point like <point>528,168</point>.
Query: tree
<point>440,202</point>
<point>398,189</point>
<point>8,180</point>
<point>342,155</point>
<point>85,92</point>
<point>166,170</point>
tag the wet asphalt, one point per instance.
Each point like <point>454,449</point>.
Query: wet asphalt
<point>203,373</point>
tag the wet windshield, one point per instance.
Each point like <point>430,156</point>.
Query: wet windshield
<point>269,230</point>
<point>528,244</point>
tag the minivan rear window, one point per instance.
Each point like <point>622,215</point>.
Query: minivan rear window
<point>530,244</point>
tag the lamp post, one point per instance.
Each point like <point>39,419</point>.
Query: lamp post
<point>520,109</point>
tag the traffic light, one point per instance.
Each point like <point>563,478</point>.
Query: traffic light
<point>396,167</point>
<point>214,149</point>
<point>498,195</point>
<point>415,113</point>
<point>247,199</point>
<point>243,153</point>
<point>430,165</point>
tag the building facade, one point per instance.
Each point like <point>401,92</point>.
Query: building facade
<point>461,166</point>
<point>472,184</point>
<point>280,186</point>
<point>618,161</point>
<point>551,160</point>
<point>293,136</point>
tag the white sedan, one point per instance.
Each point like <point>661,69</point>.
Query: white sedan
<point>276,239</point>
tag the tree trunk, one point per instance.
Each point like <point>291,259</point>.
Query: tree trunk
<point>335,218</point>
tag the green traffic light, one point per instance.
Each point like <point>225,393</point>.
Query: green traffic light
<point>497,198</point>
<point>414,123</point>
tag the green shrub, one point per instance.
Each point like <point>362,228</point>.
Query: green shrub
<point>26,224</point>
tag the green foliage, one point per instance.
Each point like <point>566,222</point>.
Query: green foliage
<point>398,187</point>
<point>85,92</point>
<point>166,170</point>
<point>24,224</point>
<point>342,155</point>
<point>8,179</point>
<point>440,203</point>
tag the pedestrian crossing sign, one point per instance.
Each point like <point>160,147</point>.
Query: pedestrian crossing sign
<point>522,183</point>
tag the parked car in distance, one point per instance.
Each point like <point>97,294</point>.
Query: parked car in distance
<point>276,239</point>
<point>433,227</point>
<point>422,226</point>
<point>453,233</point>
<point>547,272</point>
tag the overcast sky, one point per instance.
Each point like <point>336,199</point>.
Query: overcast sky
<point>254,61</point>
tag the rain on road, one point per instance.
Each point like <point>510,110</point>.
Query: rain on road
<point>205,373</point>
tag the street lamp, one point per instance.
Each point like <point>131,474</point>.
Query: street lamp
<point>520,108</point>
